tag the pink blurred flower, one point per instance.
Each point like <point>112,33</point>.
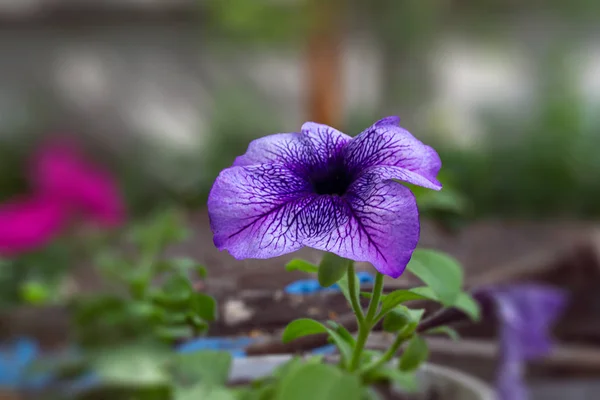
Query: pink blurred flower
<point>61,172</point>
<point>29,223</point>
<point>65,186</point>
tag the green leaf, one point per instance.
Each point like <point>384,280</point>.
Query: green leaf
<point>206,367</point>
<point>370,393</point>
<point>132,366</point>
<point>390,301</point>
<point>415,353</point>
<point>468,305</point>
<point>306,326</point>
<point>35,293</point>
<point>173,333</point>
<point>204,392</point>
<point>442,273</point>
<point>464,301</point>
<point>201,271</point>
<point>302,327</point>
<point>318,382</point>
<point>343,332</point>
<point>446,330</point>
<point>332,268</point>
<point>405,380</point>
<point>178,288</point>
<point>302,265</point>
<point>204,306</point>
<point>182,265</point>
<point>119,392</point>
<point>415,316</point>
<point>396,320</point>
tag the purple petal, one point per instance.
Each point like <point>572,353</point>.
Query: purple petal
<point>378,223</point>
<point>253,210</point>
<point>314,146</point>
<point>404,157</point>
<point>269,149</point>
<point>392,120</point>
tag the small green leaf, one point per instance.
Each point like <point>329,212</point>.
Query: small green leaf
<point>405,380</point>
<point>370,393</point>
<point>204,306</point>
<point>173,333</point>
<point>332,268</point>
<point>403,319</point>
<point>178,288</point>
<point>302,327</point>
<point>442,273</point>
<point>298,264</point>
<point>397,297</point>
<point>446,330</point>
<point>132,366</point>
<point>35,293</point>
<point>415,353</point>
<point>306,326</point>
<point>466,303</point>
<point>184,265</point>
<point>201,271</point>
<point>343,332</point>
<point>318,382</point>
<point>204,392</point>
<point>395,320</point>
<point>206,366</point>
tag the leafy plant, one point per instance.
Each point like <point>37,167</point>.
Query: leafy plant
<point>152,297</point>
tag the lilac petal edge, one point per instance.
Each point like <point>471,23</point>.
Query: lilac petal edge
<point>251,211</point>
<point>385,144</point>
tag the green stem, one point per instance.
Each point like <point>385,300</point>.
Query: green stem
<point>387,356</point>
<point>374,304</point>
<point>361,340</point>
<point>353,293</point>
<point>364,324</point>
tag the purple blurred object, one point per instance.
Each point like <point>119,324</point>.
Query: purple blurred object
<point>526,313</point>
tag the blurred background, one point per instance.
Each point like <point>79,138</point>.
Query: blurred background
<point>167,93</point>
<point>174,89</point>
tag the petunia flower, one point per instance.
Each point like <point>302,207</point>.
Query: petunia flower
<point>526,313</point>
<point>29,223</point>
<point>64,185</point>
<point>323,189</point>
<point>61,172</point>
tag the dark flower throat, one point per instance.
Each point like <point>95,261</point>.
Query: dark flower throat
<point>333,181</point>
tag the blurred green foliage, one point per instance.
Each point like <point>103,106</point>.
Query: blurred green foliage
<point>258,21</point>
<point>542,166</point>
<point>148,296</point>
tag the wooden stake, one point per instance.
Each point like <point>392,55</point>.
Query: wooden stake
<point>324,55</point>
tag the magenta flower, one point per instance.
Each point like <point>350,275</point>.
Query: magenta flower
<point>323,189</point>
<point>61,172</point>
<point>64,185</point>
<point>28,223</point>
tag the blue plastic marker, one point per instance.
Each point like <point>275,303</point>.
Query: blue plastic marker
<point>311,286</point>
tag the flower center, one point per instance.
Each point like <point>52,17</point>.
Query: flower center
<point>333,181</point>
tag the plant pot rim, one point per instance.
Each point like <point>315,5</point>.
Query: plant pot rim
<point>251,368</point>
